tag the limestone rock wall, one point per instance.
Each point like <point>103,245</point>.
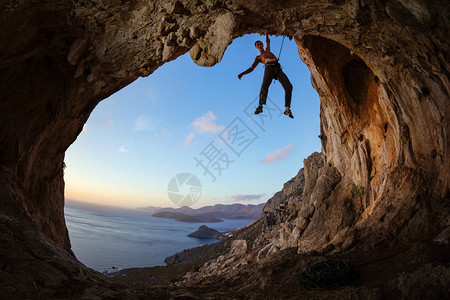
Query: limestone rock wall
<point>380,67</point>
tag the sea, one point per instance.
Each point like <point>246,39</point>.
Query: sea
<point>104,237</point>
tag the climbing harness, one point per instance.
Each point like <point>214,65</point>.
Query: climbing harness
<point>328,274</point>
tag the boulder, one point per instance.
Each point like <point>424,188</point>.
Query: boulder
<point>238,248</point>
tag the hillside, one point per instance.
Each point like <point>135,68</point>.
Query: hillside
<point>185,218</point>
<point>208,213</point>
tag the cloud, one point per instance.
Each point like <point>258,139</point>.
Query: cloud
<point>151,95</point>
<point>107,120</point>
<point>142,124</point>
<point>188,140</point>
<point>125,147</point>
<point>164,131</point>
<point>207,124</point>
<point>278,154</point>
<point>204,124</point>
<point>249,197</point>
<point>220,143</point>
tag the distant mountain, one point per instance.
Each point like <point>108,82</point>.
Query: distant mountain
<point>232,211</point>
<point>208,213</point>
<point>154,209</point>
<point>185,218</point>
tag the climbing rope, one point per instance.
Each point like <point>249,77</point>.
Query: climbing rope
<point>328,274</point>
<point>281,48</point>
<point>278,58</point>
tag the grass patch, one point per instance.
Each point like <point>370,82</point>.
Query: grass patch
<point>356,190</point>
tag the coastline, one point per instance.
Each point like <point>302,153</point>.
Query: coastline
<point>131,239</point>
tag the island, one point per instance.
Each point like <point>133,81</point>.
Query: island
<point>186,218</point>
<point>205,232</point>
<point>207,214</point>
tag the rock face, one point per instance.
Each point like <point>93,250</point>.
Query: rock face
<point>315,214</point>
<point>322,215</point>
<point>380,67</point>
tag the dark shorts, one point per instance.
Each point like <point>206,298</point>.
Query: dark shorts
<point>273,71</point>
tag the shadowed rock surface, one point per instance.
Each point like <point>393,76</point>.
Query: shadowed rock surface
<point>382,73</point>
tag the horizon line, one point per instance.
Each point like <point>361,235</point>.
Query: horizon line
<point>67,199</point>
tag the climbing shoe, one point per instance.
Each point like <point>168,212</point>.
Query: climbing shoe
<point>258,110</point>
<point>288,112</point>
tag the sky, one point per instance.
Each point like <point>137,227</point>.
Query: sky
<point>184,118</point>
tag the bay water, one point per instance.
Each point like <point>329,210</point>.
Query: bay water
<point>104,237</point>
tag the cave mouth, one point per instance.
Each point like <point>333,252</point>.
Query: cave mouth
<point>67,57</point>
<point>124,138</point>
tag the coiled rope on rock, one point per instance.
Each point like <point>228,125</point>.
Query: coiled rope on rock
<point>328,274</point>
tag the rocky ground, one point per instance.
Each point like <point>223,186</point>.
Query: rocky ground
<point>264,259</point>
<point>420,271</point>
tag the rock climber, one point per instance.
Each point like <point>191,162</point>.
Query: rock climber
<point>272,71</point>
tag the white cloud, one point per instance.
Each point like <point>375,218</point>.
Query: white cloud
<point>151,96</point>
<point>206,124</point>
<point>142,124</point>
<point>164,131</point>
<point>278,154</point>
<point>125,147</point>
<point>220,143</point>
<point>188,140</point>
<point>107,120</point>
<point>248,197</point>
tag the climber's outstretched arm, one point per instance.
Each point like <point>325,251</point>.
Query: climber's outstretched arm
<point>249,70</point>
<point>267,43</point>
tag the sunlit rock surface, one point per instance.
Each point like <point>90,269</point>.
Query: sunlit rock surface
<point>380,67</point>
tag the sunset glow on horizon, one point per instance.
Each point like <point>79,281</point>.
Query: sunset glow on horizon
<point>139,138</point>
